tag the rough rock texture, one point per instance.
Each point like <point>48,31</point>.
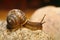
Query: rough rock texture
<point>52,20</point>
<point>23,34</point>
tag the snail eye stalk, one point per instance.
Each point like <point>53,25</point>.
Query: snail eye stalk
<point>43,19</point>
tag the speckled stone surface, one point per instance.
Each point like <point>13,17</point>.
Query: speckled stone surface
<point>23,34</point>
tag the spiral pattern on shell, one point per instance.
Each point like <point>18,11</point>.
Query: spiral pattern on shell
<point>15,17</point>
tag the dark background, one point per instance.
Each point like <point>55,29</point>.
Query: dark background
<point>27,4</point>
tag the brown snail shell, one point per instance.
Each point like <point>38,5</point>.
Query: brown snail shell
<point>15,17</point>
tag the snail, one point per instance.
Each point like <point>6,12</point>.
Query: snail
<point>16,18</point>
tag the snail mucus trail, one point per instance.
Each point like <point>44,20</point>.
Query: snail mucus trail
<point>17,19</point>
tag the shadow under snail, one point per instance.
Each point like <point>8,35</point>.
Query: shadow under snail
<point>16,19</point>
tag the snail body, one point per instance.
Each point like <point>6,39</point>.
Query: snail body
<point>35,25</point>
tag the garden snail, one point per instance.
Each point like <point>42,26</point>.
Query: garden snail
<point>16,18</point>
